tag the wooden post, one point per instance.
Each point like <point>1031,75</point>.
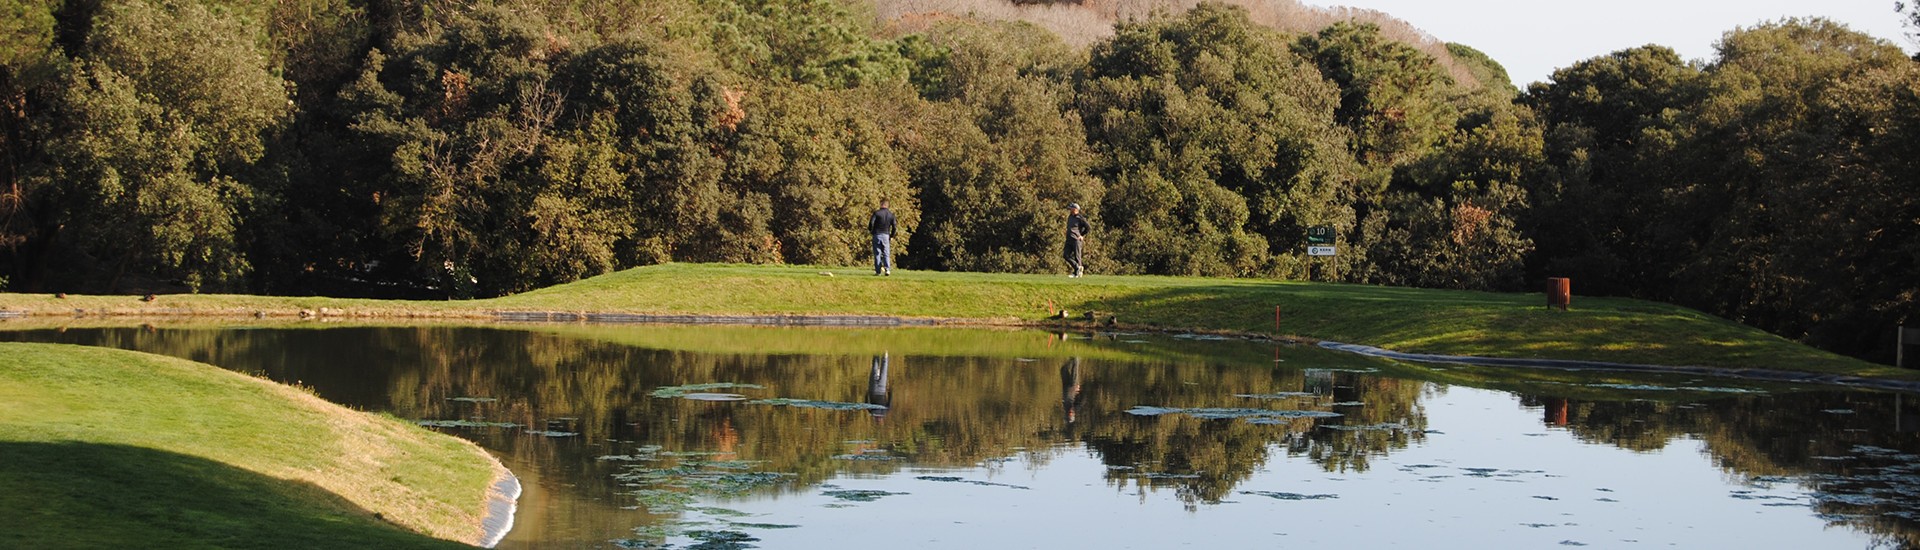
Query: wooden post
<point>1276,321</point>
<point>1903,337</point>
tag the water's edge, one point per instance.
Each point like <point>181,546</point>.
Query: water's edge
<point>521,316</point>
<point>1908,386</point>
<point>502,501</point>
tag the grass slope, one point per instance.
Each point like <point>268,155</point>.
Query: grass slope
<point>103,448</point>
<point>1401,319</point>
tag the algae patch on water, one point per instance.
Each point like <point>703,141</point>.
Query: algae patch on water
<point>1277,495</point>
<point>814,404</point>
<point>677,483</point>
<point>859,495</point>
<point>1381,427</point>
<point>1706,389</point>
<point>950,479</point>
<point>676,488</point>
<point>1276,395</point>
<point>707,396</point>
<point>1257,416</point>
<point>665,392</point>
<point>705,392</point>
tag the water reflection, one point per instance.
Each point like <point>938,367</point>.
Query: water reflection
<point>1070,388</point>
<point>1854,451</point>
<point>877,387</point>
<point>919,413</point>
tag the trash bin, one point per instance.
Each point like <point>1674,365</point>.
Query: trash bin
<point>1559,292</point>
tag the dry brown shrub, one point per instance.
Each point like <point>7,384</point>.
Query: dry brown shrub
<point>1468,221</point>
<point>454,88</point>
<point>1084,22</point>
<point>735,114</point>
<point>556,46</point>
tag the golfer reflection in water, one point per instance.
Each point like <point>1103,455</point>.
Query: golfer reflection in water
<point>877,387</point>
<point>1070,388</point>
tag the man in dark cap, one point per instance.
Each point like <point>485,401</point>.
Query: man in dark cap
<point>1076,237</point>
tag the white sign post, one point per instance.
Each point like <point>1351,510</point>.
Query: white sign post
<point>1320,239</point>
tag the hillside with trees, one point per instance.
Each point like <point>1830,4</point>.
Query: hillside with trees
<point>445,148</point>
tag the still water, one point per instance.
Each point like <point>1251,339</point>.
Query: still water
<point>738,437</point>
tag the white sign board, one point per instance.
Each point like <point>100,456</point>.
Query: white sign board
<point>1319,251</point>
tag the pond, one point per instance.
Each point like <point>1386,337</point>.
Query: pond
<point>741,437</point>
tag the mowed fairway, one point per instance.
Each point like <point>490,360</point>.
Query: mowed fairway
<point>1400,319</point>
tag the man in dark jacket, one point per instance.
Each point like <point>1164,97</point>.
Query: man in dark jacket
<point>882,228</point>
<point>1076,237</point>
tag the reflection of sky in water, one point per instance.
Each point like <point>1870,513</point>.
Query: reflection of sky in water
<point>1491,477</point>
<point>1409,464</point>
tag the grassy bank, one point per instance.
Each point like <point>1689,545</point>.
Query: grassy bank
<point>1401,319</point>
<point>105,448</point>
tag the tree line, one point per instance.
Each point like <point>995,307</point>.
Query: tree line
<point>449,148</point>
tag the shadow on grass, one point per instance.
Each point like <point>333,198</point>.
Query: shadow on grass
<point>85,495</point>
<point>1473,323</point>
<point>1309,310</point>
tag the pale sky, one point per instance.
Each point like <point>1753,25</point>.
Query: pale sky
<point>1531,38</point>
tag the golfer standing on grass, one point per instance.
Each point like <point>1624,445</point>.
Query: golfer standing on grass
<point>1076,236</point>
<point>882,228</point>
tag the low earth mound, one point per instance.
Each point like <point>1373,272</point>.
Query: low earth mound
<point>103,448</point>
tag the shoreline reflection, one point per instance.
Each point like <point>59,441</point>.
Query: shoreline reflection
<point>1853,450</point>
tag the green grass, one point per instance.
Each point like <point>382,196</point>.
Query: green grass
<point>1401,319</point>
<point>103,448</point>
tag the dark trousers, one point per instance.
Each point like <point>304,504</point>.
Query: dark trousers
<point>1073,256</point>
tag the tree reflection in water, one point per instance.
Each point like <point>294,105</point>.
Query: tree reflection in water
<point>961,398</point>
<point>1856,450</point>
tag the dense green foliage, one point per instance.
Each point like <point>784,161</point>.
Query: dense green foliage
<point>1775,185</point>
<point>458,148</point>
